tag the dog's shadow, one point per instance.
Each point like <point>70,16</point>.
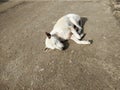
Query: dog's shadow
<point>82,24</point>
<point>66,44</point>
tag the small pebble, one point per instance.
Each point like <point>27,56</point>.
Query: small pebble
<point>42,69</point>
<point>104,37</point>
<point>72,51</point>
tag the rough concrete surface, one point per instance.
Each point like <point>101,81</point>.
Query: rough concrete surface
<point>24,65</point>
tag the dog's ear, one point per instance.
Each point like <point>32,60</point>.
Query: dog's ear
<point>48,35</point>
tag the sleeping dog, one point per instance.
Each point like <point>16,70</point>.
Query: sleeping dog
<point>65,29</point>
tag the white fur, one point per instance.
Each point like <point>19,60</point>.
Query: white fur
<point>64,28</point>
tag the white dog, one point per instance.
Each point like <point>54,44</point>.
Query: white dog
<point>64,29</point>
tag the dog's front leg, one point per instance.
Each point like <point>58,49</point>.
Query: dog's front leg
<point>80,41</point>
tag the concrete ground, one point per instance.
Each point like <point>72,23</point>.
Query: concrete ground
<point>24,65</point>
<point>115,4</point>
<point>8,5</point>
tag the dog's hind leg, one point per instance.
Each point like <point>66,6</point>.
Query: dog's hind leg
<point>76,23</point>
<point>80,41</point>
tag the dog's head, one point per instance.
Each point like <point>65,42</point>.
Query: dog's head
<point>53,42</point>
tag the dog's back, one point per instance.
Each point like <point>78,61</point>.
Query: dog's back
<point>62,23</point>
<point>62,26</point>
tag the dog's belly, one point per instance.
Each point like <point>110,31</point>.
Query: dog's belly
<point>65,34</point>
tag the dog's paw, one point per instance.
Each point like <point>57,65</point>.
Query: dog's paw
<point>91,41</point>
<point>87,42</point>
